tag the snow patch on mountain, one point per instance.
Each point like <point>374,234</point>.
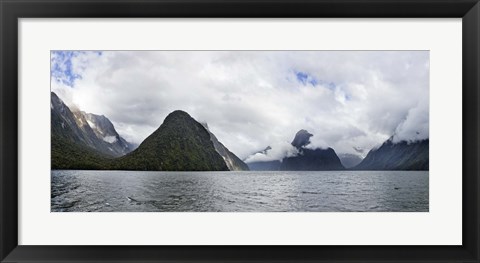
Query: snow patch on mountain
<point>110,139</point>
<point>92,125</point>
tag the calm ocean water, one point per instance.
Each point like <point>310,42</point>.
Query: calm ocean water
<point>329,191</point>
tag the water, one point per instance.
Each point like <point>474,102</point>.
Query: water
<point>330,191</point>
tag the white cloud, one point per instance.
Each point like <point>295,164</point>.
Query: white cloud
<point>277,152</point>
<point>415,126</point>
<point>252,99</point>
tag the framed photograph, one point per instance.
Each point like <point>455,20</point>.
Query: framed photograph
<point>239,131</point>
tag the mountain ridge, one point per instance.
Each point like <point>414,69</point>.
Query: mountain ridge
<point>76,126</point>
<point>83,140</point>
<point>179,144</point>
<point>305,160</point>
<point>402,155</point>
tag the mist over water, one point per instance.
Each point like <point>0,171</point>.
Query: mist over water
<point>255,191</point>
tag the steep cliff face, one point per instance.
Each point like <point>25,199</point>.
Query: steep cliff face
<point>231,160</point>
<point>104,130</point>
<point>74,143</point>
<point>86,129</point>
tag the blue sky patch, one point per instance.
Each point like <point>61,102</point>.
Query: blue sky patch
<point>61,68</point>
<point>306,79</point>
<point>302,77</point>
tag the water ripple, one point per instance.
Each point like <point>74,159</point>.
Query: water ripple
<point>122,191</point>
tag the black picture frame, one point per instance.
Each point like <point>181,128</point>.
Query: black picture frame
<point>11,11</point>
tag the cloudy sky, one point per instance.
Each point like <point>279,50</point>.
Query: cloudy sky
<point>351,101</point>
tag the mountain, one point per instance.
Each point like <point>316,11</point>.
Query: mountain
<point>397,156</point>
<point>81,140</point>
<point>231,160</point>
<point>86,129</point>
<point>313,160</point>
<point>179,144</point>
<point>103,129</point>
<point>349,160</point>
<point>302,139</point>
<point>71,146</point>
<point>305,160</point>
<point>310,159</point>
<point>264,165</point>
<point>64,124</point>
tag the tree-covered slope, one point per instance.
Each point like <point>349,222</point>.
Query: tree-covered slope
<point>66,154</point>
<point>179,144</point>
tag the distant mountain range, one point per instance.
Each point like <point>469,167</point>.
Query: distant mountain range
<point>83,140</point>
<point>305,160</point>
<point>389,156</point>
<point>350,160</point>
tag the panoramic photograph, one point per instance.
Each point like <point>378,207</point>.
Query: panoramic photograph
<point>239,131</point>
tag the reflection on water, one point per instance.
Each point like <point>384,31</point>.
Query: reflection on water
<point>332,191</point>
